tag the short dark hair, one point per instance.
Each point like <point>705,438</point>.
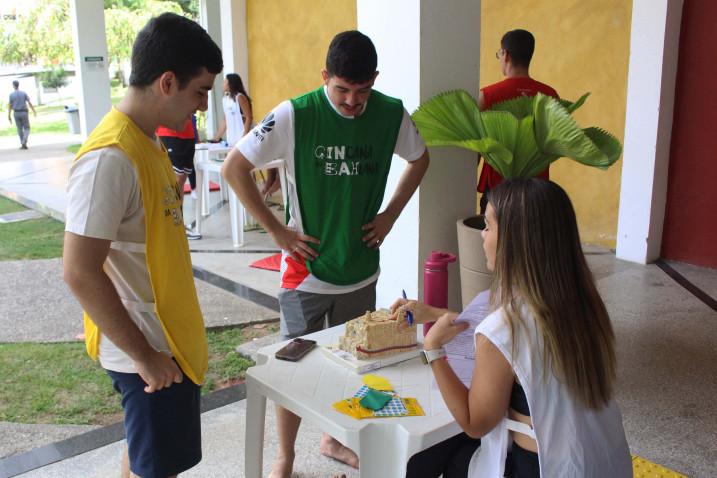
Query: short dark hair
<point>171,42</point>
<point>352,56</point>
<point>15,83</point>
<point>520,44</point>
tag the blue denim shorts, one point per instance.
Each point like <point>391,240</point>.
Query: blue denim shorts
<point>163,428</point>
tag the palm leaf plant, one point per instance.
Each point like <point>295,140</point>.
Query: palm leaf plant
<point>518,137</point>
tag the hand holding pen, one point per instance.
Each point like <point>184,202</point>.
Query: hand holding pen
<point>409,314</point>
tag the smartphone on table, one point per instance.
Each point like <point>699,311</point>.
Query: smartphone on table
<point>295,349</point>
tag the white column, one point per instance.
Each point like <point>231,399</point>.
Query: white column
<point>654,46</point>
<point>210,14</point>
<point>234,39</point>
<point>425,47</point>
<point>91,65</point>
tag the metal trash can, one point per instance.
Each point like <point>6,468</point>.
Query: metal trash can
<point>73,118</point>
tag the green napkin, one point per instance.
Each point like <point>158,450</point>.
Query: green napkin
<point>374,400</point>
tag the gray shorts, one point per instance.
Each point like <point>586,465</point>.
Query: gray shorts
<point>305,312</point>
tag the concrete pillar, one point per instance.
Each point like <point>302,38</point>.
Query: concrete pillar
<point>235,49</point>
<point>210,15</point>
<point>425,47</point>
<point>654,45</point>
<point>91,65</point>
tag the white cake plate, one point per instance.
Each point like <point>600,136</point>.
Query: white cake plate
<point>362,366</point>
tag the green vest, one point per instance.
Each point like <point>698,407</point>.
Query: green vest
<point>341,167</point>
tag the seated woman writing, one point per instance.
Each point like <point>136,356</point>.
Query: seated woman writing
<point>541,395</point>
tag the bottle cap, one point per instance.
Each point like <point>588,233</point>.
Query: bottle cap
<point>439,260</point>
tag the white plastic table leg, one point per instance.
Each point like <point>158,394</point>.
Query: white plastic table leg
<point>383,451</point>
<point>254,433</point>
<point>205,193</point>
<point>223,188</point>
<point>236,215</point>
<point>199,202</point>
<point>282,182</point>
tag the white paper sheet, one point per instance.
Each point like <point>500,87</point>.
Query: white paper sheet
<point>461,350</point>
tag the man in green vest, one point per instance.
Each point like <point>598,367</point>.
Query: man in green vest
<point>126,257</point>
<point>338,142</point>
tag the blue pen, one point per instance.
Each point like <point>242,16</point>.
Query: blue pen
<point>409,314</point>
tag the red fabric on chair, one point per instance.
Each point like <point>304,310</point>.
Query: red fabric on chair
<point>271,263</point>
<point>212,187</point>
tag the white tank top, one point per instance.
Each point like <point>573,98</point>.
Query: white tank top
<point>573,441</point>
<point>233,117</point>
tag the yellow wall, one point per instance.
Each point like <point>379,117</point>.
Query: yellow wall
<point>288,40</point>
<point>581,46</point>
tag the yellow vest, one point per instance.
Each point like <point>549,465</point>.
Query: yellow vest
<point>167,251</point>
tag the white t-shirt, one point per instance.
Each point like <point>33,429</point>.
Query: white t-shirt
<point>104,202</point>
<point>273,138</point>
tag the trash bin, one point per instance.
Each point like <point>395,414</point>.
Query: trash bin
<point>73,118</point>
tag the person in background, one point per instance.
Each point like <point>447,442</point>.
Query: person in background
<point>541,398</point>
<point>126,257</point>
<point>338,142</point>
<point>237,111</point>
<point>180,147</point>
<point>516,51</point>
<point>193,175</point>
<point>18,105</point>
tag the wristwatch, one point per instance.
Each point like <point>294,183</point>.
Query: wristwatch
<point>428,356</point>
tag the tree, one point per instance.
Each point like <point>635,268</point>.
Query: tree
<point>122,25</point>
<point>42,37</point>
<point>54,78</point>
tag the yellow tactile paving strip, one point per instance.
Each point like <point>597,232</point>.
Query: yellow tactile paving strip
<point>642,468</point>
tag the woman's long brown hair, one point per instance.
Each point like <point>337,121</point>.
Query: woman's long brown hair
<point>540,265</point>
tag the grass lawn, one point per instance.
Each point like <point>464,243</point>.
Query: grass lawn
<point>58,383</point>
<point>33,239</point>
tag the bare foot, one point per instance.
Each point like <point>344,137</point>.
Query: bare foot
<point>282,467</point>
<point>334,449</point>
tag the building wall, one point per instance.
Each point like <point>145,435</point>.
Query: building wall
<point>287,46</point>
<point>690,233</point>
<point>581,46</point>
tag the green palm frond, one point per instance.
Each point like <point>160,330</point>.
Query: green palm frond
<point>520,106</point>
<point>518,137</point>
<point>450,116</point>
<point>557,133</point>
<point>572,106</point>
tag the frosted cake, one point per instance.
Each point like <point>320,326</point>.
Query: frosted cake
<point>375,335</point>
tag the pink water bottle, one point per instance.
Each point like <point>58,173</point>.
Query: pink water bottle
<point>435,281</point>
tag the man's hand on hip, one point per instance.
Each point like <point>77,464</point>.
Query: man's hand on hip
<point>378,229</point>
<point>297,244</point>
<point>159,371</point>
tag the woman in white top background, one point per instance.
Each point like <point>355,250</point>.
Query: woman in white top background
<point>541,393</point>
<point>237,111</point>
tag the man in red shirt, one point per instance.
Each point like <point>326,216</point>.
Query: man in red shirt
<point>180,147</point>
<point>516,51</point>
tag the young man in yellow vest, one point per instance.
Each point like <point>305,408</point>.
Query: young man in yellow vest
<point>126,257</point>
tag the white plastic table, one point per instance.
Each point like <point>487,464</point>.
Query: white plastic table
<point>208,158</point>
<point>310,386</point>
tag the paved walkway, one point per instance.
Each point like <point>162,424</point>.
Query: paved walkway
<point>665,347</point>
